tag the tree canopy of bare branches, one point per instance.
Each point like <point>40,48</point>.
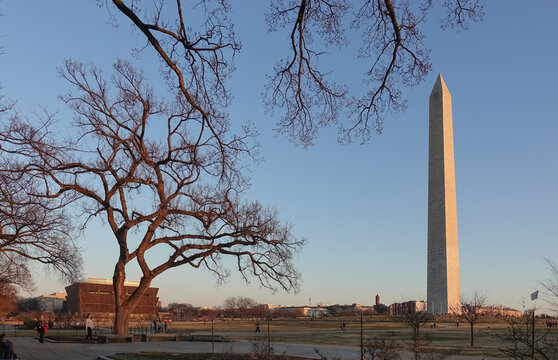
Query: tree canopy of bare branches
<point>381,347</point>
<point>8,297</point>
<point>306,94</point>
<point>392,45</point>
<point>32,228</point>
<point>162,174</point>
<point>414,320</point>
<point>471,309</point>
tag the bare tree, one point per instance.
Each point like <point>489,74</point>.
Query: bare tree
<point>246,305</point>
<point>414,320</point>
<point>230,306</point>
<point>181,311</point>
<point>381,347</point>
<point>163,175</point>
<point>471,310</point>
<point>240,306</point>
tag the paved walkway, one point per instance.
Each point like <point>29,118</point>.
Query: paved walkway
<point>30,348</point>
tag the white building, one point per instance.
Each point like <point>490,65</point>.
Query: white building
<point>51,302</point>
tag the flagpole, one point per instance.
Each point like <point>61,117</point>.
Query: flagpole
<point>533,336</point>
<point>534,297</point>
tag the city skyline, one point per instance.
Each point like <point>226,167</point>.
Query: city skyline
<point>363,208</point>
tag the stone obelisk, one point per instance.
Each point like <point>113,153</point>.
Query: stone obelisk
<point>443,293</point>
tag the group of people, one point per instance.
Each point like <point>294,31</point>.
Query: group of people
<point>43,326</point>
<point>157,326</point>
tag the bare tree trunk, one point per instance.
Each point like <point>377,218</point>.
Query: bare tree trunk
<point>471,334</point>
<point>121,320</point>
<point>122,312</point>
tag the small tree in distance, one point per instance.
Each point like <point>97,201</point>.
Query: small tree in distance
<point>381,347</point>
<point>414,320</point>
<point>471,310</point>
<point>181,311</point>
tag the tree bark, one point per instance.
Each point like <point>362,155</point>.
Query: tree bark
<point>121,320</point>
<point>122,311</point>
<point>471,334</point>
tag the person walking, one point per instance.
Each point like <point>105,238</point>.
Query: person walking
<point>89,325</point>
<point>41,329</point>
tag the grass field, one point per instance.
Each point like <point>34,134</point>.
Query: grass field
<point>489,334</point>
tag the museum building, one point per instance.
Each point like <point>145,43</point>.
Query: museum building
<point>97,296</point>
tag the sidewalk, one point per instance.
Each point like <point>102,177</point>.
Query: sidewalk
<point>30,348</point>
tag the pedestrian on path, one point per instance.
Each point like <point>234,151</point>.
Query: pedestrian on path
<point>41,329</point>
<point>89,325</point>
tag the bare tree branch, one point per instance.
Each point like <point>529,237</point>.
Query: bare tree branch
<point>461,12</point>
<point>297,85</point>
<point>551,285</point>
<point>33,226</point>
<point>392,43</point>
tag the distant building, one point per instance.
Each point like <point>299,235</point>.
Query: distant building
<point>381,309</point>
<point>315,311</point>
<point>407,307</point>
<point>97,296</point>
<point>377,299</point>
<point>51,302</point>
<point>307,311</point>
<point>499,310</point>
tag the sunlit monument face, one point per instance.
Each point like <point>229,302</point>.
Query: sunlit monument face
<point>443,293</point>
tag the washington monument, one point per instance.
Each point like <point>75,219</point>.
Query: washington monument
<point>443,293</point>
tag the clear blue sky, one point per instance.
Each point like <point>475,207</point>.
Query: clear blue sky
<point>363,208</point>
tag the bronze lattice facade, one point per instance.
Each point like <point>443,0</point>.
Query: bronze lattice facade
<point>97,296</point>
